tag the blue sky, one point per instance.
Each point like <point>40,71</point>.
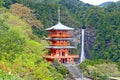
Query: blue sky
<point>96,2</point>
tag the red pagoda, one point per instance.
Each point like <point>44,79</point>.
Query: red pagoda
<point>59,37</point>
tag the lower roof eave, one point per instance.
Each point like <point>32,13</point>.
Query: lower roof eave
<point>63,57</point>
<point>60,47</point>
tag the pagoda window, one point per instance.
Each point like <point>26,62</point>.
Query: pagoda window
<point>62,53</point>
<point>60,32</point>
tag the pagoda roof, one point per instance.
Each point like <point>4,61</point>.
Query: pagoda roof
<point>59,38</point>
<point>60,47</point>
<point>59,26</point>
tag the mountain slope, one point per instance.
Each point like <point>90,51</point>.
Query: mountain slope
<point>102,24</point>
<point>22,57</point>
<point>105,4</point>
<point>98,21</point>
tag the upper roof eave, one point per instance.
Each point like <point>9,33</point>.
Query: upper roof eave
<point>59,26</point>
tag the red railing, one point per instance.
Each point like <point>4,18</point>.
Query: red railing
<point>69,56</point>
<point>59,44</point>
<point>59,36</point>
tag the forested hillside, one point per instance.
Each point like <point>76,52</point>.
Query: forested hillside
<point>22,25</point>
<point>104,21</point>
<point>21,52</point>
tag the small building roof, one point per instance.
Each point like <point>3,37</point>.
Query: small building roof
<point>59,26</point>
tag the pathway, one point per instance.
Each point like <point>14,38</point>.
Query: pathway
<point>76,72</point>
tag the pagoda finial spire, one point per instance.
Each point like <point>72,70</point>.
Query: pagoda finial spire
<point>58,14</point>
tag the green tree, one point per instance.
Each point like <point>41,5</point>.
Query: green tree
<point>7,3</point>
<point>5,76</point>
<point>12,41</point>
<point>104,77</point>
<point>25,13</point>
<point>1,3</point>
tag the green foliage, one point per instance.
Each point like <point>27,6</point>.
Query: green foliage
<point>41,33</point>
<point>62,69</point>
<point>104,21</point>
<point>99,69</point>
<point>7,3</point>
<point>35,47</point>
<point>1,3</point>
<point>22,56</point>
<point>32,66</point>
<point>5,76</point>
<point>118,65</point>
<point>105,77</point>
<point>12,41</point>
<point>26,14</point>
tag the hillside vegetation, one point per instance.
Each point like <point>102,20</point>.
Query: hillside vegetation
<point>104,22</point>
<point>22,52</point>
<point>22,31</point>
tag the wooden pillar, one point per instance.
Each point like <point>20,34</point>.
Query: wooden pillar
<point>59,60</point>
<point>73,60</point>
<point>60,52</point>
<point>68,60</point>
<point>66,52</point>
<point>57,53</point>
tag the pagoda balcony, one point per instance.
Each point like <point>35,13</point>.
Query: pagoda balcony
<point>59,36</point>
<point>69,56</point>
<point>59,44</point>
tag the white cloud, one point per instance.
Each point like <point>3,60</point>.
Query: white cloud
<point>96,2</point>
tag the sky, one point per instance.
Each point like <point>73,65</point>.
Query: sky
<point>96,2</point>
